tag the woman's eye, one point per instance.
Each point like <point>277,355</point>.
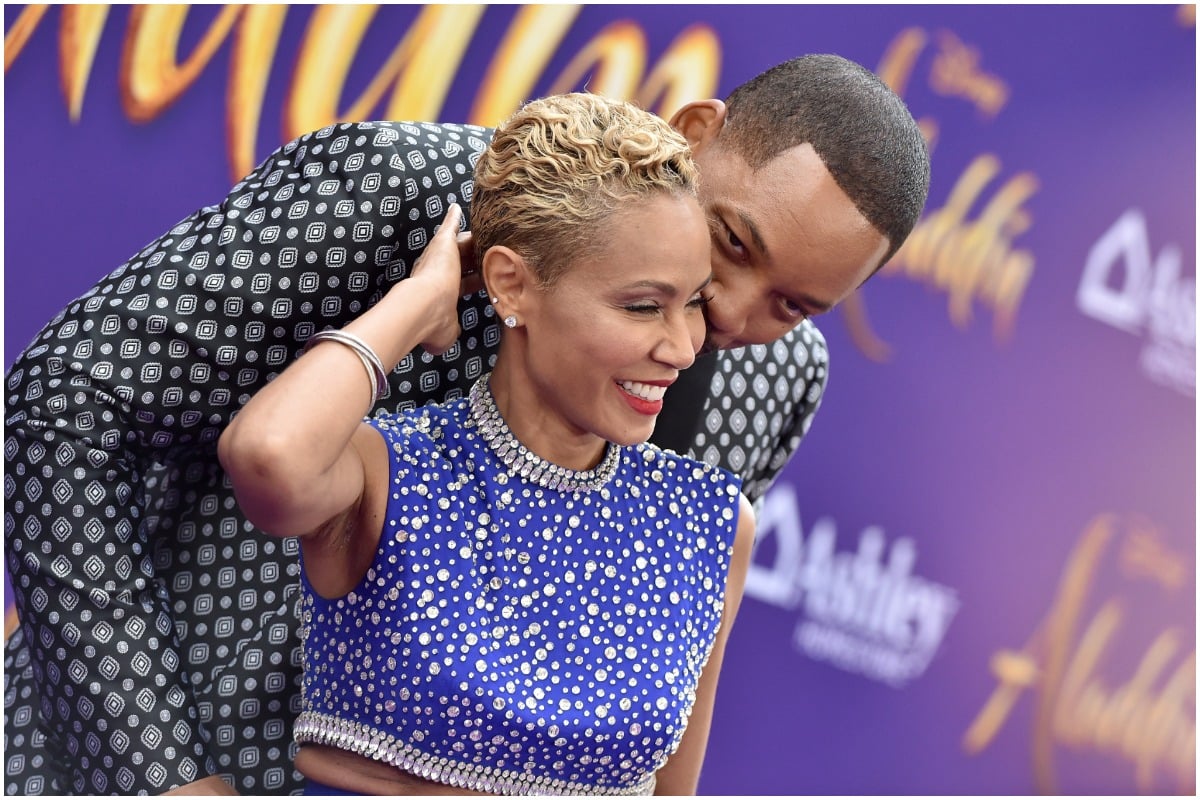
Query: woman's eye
<point>699,301</point>
<point>642,309</point>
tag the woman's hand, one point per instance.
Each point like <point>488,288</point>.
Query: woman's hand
<point>440,270</point>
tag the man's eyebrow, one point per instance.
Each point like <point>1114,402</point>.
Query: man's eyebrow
<point>755,234</point>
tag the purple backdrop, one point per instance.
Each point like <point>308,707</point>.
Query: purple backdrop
<point>979,574</point>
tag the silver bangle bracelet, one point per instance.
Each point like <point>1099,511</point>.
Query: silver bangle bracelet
<point>370,361</point>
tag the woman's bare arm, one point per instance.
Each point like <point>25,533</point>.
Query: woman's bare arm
<point>297,453</point>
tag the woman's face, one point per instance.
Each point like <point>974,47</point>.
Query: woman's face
<point>609,336</point>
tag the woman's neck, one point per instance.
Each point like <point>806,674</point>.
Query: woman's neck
<point>543,429</point>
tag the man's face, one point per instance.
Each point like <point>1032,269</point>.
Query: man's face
<point>787,243</point>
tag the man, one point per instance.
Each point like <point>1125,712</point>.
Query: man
<point>158,647</point>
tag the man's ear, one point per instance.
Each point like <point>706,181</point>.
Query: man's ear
<point>700,122</point>
<point>508,279</point>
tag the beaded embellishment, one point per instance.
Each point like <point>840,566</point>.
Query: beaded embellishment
<point>361,739</point>
<point>513,639</point>
<point>522,462</point>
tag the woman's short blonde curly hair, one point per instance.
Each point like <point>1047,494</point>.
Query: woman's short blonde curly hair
<point>560,166</point>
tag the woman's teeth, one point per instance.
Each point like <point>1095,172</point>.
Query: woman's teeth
<point>643,390</point>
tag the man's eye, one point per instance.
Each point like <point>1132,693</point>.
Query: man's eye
<point>792,309</point>
<point>734,241</point>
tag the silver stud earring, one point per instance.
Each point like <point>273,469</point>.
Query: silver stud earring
<point>511,320</point>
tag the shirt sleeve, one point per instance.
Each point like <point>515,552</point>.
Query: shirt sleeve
<point>112,418</point>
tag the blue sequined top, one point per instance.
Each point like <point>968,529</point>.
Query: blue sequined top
<point>524,629</point>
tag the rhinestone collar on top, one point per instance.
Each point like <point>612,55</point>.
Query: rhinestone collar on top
<point>520,461</point>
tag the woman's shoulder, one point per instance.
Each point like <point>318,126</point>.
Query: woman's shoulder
<point>707,492</point>
<point>430,423</point>
<point>680,467</point>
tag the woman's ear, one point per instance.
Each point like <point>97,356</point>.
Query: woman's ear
<point>508,279</point>
<point>700,122</point>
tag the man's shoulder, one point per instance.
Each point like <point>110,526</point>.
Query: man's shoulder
<point>803,346</point>
<point>381,145</point>
<point>348,135</point>
<point>809,332</point>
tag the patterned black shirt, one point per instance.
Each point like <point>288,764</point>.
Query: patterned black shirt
<point>158,628</point>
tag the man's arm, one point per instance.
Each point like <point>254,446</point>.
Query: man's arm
<point>112,417</point>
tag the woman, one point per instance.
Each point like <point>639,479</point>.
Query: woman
<point>511,593</point>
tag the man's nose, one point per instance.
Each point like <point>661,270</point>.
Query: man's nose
<point>725,314</point>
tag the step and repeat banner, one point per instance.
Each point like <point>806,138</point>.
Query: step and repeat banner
<point>978,575</point>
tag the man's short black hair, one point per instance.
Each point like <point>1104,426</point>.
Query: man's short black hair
<point>860,128</point>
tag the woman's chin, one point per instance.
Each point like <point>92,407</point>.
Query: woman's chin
<point>635,436</point>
